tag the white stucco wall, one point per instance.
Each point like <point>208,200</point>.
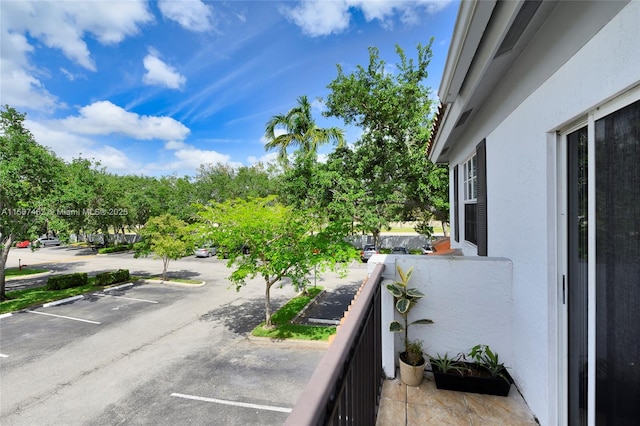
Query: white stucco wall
<point>522,177</point>
<point>468,298</point>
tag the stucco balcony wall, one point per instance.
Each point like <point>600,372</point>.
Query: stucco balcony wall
<point>468,298</point>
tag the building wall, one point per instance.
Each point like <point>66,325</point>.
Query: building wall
<point>586,54</point>
<point>468,298</point>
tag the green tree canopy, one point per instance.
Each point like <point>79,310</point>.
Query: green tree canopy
<point>300,130</point>
<point>393,108</point>
<point>29,175</point>
<point>265,238</point>
<point>167,238</point>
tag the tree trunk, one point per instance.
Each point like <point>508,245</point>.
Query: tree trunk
<point>267,306</point>
<point>444,228</point>
<point>165,265</point>
<point>6,246</point>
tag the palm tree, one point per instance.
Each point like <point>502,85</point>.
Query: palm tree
<point>300,130</point>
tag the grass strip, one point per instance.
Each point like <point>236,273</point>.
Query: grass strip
<point>285,330</point>
<point>177,280</point>
<point>16,272</point>
<point>23,299</point>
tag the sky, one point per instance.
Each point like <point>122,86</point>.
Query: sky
<point>159,88</point>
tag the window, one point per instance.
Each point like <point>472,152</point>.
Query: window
<point>470,183</point>
<point>470,168</point>
<point>474,174</point>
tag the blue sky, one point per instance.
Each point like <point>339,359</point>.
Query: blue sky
<point>158,88</point>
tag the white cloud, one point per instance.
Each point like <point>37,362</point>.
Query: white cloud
<point>271,157</point>
<point>188,159</point>
<point>174,145</point>
<point>104,118</point>
<point>69,146</point>
<point>159,73</point>
<point>63,24</point>
<point>59,25</point>
<point>321,18</point>
<point>192,15</point>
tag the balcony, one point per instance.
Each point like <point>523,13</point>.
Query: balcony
<point>470,301</point>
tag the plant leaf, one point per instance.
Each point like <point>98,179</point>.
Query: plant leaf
<point>395,290</point>
<point>414,293</point>
<point>422,321</point>
<point>403,305</point>
<point>396,327</point>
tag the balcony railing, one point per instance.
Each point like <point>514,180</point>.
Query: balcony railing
<point>345,387</point>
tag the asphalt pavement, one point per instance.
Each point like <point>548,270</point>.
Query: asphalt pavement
<point>153,353</point>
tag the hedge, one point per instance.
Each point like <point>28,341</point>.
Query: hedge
<point>111,277</point>
<point>115,249</point>
<point>60,282</point>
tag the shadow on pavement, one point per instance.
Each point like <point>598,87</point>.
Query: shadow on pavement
<point>242,317</point>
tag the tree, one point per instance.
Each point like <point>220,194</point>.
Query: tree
<point>263,237</point>
<point>29,174</point>
<point>394,111</point>
<point>167,237</point>
<point>299,130</point>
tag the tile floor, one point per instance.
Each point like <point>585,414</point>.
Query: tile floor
<point>424,405</point>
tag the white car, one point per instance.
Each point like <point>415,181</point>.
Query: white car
<point>205,251</point>
<point>45,241</point>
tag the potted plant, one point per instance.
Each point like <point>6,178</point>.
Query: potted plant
<point>412,360</point>
<point>481,373</point>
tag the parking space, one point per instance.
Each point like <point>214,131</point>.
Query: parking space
<point>33,333</point>
<point>238,384</point>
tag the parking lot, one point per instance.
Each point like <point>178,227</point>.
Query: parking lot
<point>151,354</point>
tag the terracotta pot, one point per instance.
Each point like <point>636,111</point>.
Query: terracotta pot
<point>411,375</point>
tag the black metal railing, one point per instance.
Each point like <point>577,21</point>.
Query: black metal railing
<point>345,387</point>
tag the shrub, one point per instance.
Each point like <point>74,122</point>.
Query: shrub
<point>112,277</point>
<point>60,282</point>
<point>115,249</point>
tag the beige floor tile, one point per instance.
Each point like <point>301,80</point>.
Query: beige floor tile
<point>421,415</point>
<point>427,394</point>
<point>500,421</point>
<point>391,413</point>
<point>394,389</point>
<point>491,406</point>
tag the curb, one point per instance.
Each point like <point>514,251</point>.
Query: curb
<point>7,315</point>
<point>289,343</point>
<point>177,283</point>
<point>61,301</point>
<point>118,287</point>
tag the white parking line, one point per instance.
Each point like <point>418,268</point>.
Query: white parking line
<point>4,356</point>
<point>62,316</point>
<point>234,403</point>
<point>128,298</point>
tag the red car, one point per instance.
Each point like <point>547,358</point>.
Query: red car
<point>23,244</point>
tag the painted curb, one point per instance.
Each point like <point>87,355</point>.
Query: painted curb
<point>172,283</point>
<point>61,301</point>
<point>7,315</point>
<point>118,287</point>
<point>290,343</point>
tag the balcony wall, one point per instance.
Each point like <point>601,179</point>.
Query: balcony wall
<point>468,298</point>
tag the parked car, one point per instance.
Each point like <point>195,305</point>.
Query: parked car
<point>205,251</point>
<point>45,241</point>
<point>399,250</point>
<point>23,244</point>
<point>368,251</point>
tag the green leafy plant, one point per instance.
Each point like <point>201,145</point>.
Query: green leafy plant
<point>484,357</point>
<point>446,364</point>
<point>405,299</point>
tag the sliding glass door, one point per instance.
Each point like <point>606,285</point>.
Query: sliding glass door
<point>601,285</point>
